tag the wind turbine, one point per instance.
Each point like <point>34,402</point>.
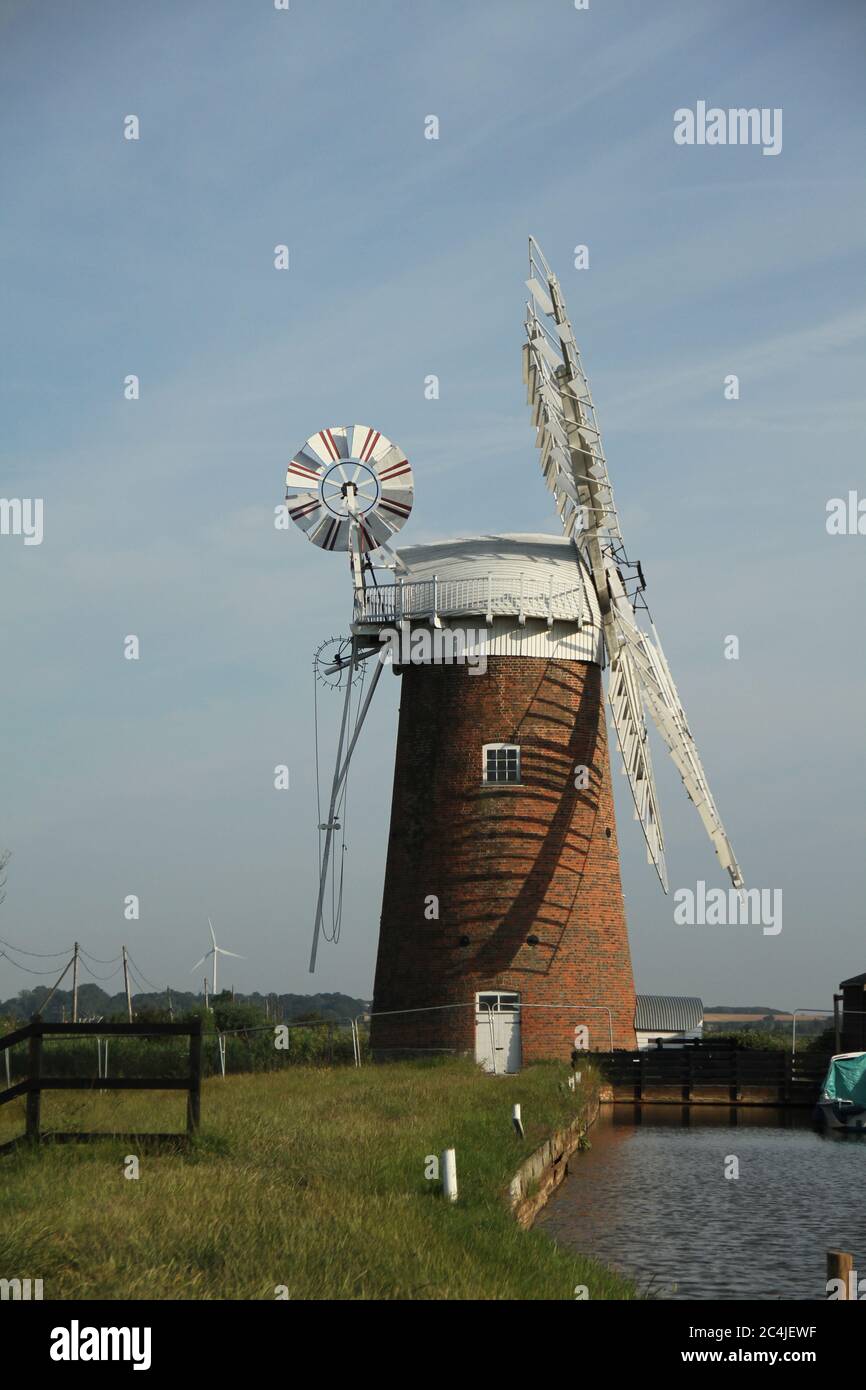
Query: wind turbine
<point>215,951</point>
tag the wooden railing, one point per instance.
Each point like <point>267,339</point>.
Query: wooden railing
<point>36,1081</point>
<point>714,1075</point>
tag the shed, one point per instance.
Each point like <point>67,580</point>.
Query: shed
<point>853,1035</point>
<point>667,1018</point>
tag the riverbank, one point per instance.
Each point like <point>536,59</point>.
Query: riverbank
<point>311,1181</point>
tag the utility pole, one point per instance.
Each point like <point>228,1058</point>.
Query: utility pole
<point>170,1009</point>
<point>75,984</point>
<point>126,984</point>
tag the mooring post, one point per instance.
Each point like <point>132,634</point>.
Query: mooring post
<point>34,1095</point>
<point>193,1106</point>
<point>449,1174</point>
<point>839,1266</point>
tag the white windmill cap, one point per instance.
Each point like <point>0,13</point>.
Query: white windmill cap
<point>511,549</point>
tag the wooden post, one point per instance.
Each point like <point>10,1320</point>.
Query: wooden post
<point>34,1096</point>
<point>75,984</point>
<point>126,984</point>
<point>840,1266</point>
<point>193,1107</point>
<point>787,1077</point>
<point>448,1166</point>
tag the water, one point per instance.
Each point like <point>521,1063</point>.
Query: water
<point>650,1198</point>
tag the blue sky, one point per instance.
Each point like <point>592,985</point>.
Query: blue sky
<point>155,257</point>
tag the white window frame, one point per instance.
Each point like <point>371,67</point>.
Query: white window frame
<point>497,747</point>
<point>507,1001</point>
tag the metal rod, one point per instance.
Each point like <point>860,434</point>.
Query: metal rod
<point>335,791</point>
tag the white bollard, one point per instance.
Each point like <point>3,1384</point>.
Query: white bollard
<point>449,1174</point>
<point>516,1120</point>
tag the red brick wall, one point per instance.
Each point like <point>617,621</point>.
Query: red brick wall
<point>505,862</point>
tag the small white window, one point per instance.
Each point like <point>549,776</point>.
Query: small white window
<point>501,762</point>
<point>498,1001</point>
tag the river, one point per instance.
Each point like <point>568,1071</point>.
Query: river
<point>651,1198</point>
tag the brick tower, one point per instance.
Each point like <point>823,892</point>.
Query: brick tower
<point>503,927</point>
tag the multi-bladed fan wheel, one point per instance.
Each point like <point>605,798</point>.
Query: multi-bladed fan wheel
<point>344,471</point>
<point>335,652</point>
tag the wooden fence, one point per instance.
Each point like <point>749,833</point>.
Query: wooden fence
<point>36,1081</point>
<point>708,1075</point>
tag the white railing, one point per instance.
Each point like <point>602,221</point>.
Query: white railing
<point>522,597</point>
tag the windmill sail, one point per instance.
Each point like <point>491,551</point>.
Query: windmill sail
<point>575,470</point>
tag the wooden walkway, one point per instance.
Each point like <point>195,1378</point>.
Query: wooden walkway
<point>707,1075</point>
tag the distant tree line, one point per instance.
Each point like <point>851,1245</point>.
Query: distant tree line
<point>93,1002</point>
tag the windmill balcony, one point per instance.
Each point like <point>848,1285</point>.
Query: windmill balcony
<point>522,597</point>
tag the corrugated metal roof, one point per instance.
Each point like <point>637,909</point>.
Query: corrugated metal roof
<point>668,1012</point>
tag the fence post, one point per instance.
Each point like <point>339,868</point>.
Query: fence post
<point>193,1107</point>
<point>34,1095</point>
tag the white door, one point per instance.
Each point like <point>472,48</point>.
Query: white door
<point>497,1032</point>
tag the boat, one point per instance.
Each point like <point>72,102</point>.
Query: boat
<point>843,1094</point>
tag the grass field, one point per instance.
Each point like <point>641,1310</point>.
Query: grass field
<point>309,1178</point>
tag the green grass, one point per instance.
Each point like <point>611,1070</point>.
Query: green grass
<point>308,1178</point>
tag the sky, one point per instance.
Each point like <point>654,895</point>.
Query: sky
<point>407,256</point>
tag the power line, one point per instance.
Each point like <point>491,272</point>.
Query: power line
<point>42,955</point>
<point>94,975</point>
<point>98,959</point>
<point>156,988</point>
<point>28,969</point>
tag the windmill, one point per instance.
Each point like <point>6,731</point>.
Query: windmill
<point>214,951</point>
<point>503,928</point>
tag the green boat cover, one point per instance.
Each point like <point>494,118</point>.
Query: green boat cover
<point>846,1079</point>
